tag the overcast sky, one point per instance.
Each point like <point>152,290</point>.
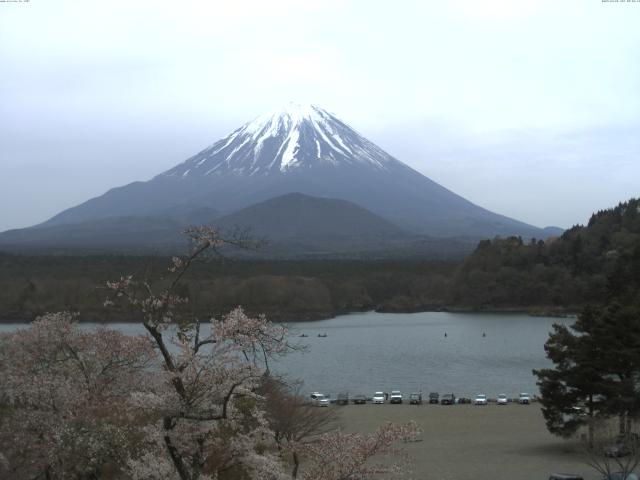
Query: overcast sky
<point>528,108</point>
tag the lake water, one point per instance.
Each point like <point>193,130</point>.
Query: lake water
<point>365,352</point>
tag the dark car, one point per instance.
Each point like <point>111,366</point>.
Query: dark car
<point>415,399</point>
<point>623,446</point>
<point>617,450</point>
<point>343,399</point>
<point>448,399</point>
<point>434,397</point>
<point>565,476</point>
<point>359,400</point>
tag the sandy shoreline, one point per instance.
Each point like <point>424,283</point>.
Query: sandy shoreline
<point>467,442</point>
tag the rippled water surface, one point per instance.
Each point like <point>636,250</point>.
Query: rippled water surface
<point>378,351</point>
<point>365,352</point>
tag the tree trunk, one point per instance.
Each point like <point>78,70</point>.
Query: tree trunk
<point>591,426</point>
<point>622,423</point>
<point>296,465</point>
<point>196,462</point>
<point>176,458</point>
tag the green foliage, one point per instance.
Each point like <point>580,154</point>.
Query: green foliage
<point>596,364</point>
<point>586,265</point>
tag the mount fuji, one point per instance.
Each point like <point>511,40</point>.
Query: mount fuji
<point>299,149</point>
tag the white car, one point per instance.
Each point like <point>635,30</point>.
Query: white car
<point>524,399</point>
<point>395,397</point>
<point>378,397</point>
<point>481,399</point>
<point>319,400</point>
<point>502,399</point>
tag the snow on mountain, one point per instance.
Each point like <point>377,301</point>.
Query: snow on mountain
<point>305,149</point>
<point>296,137</point>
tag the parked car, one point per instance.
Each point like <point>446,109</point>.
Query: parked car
<point>343,399</point>
<point>320,400</point>
<point>623,446</point>
<point>434,397</point>
<point>378,397</point>
<point>481,399</point>
<point>502,399</point>
<point>359,400</point>
<point>566,476</point>
<point>415,399</point>
<point>524,399</point>
<point>448,399</point>
<point>395,397</point>
<point>619,449</point>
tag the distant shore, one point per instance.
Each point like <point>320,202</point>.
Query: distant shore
<point>554,312</point>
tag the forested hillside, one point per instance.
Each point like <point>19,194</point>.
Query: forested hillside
<point>284,290</point>
<point>585,265</point>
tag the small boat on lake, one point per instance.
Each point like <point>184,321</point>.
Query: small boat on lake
<point>322,335</point>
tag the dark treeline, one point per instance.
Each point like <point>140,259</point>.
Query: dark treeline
<point>586,265</point>
<point>556,275</point>
<point>283,290</point>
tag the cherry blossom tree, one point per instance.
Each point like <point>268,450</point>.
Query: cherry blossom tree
<point>211,421</point>
<point>609,453</point>
<point>356,456</point>
<point>61,394</point>
<point>293,419</point>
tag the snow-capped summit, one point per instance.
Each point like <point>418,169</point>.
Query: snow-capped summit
<point>293,138</point>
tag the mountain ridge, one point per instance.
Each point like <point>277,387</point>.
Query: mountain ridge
<point>308,150</point>
<point>290,226</point>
